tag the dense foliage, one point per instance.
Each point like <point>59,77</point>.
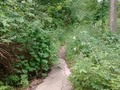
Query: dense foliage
<point>96,61</point>
<point>93,52</point>
<point>28,38</point>
<point>21,29</point>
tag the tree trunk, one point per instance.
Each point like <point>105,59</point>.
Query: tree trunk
<point>113,17</point>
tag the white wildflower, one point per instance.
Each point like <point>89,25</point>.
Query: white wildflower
<point>74,48</point>
<point>99,0</point>
<point>23,2</point>
<point>74,37</point>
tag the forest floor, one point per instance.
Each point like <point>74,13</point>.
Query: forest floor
<point>58,77</point>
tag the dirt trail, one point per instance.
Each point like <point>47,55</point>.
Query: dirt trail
<point>58,77</point>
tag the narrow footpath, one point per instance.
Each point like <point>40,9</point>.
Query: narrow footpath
<point>58,77</point>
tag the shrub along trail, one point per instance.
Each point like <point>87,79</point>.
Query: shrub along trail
<point>58,77</point>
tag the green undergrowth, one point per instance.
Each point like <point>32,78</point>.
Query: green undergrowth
<point>94,58</point>
<point>30,35</point>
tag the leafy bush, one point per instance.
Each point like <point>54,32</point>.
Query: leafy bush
<point>77,44</point>
<point>87,75</point>
<point>5,87</point>
<point>39,46</point>
<point>96,61</point>
<point>26,24</point>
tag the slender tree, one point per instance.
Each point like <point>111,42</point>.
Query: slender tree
<point>113,16</point>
